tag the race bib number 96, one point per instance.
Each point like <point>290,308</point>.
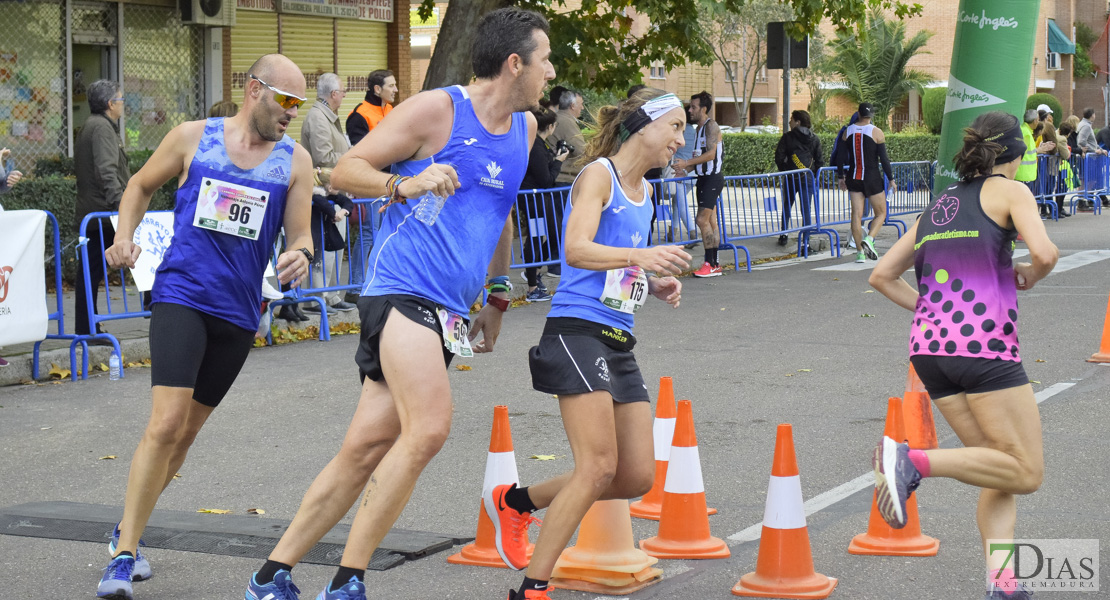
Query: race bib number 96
<point>230,208</point>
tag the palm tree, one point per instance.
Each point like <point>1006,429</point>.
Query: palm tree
<point>873,64</point>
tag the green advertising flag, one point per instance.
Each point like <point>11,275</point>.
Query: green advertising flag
<point>992,60</point>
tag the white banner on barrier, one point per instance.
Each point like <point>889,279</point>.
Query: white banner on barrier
<point>153,235</point>
<point>23,314</point>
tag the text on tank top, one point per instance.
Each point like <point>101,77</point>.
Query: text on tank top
<point>967,303</point>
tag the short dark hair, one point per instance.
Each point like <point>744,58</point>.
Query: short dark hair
<point>377,78</point>
<point>554,95</point>
<point>802,117</point>
<point>634,89</point>
<point>100,93</point>
<point>704,98</point>
<point>544,118</point>
<point>1041,114</point>
<point>1088,113</point>
<point>502,33</point>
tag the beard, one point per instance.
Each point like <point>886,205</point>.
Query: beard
<point>265,126</point>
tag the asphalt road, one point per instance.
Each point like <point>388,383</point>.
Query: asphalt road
<point>796,343</point>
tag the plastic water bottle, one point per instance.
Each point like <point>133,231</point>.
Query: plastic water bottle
<point>428,208</point>
<point>114,366</point>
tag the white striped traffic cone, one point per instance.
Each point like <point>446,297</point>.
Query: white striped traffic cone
<point>500,470</point>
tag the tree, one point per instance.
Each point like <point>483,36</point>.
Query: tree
<point>873,64</point>
<point>594,47</point>
<point>739,37</point>
<point>819,72</point>
<point>1085,37</point>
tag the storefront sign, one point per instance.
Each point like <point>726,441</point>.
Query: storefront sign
<point>365,10</point>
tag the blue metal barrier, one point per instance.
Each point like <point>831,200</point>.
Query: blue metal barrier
<point>1044,187</point>
<point>129,297</point>
<point>915,185</point>
<point>1094,174</point>
<point>357,240</point>
<point>837,206</point>
<point>58,316</point>
<point>539,223</point>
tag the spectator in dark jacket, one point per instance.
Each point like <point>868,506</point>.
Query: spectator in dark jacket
<point>544,165</point>
<point>798,148</point>
<point>102,174</point>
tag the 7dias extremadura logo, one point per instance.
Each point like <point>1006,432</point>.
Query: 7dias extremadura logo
<point>1049,565</point>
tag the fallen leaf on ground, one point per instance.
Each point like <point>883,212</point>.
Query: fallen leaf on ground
<point>109,457</point>
<point>255,511</point>
<point>789,374</point>
<point>214,511</point>
<point>865,315</point>
<point>1033,381</point>
<point>40,428</point>
<point>103,368</point>
<point>543,457</point>
<point>56,371</point>
<point>869,291</point>
<point>1040,360</point>
<point>836,279</point>
<point>722,308</point>
<point>804,370</point>
<point>462,367</point>
<point>177,475</point>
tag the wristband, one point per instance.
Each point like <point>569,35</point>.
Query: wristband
<point>306,253</point>
<point>499,279</point>
<point>501,304</point>
<point>499,287</point>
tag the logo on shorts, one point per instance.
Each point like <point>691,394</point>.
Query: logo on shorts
<point>945,210</point>
<point>5,279</point>
<point>429,318</point>
<point>603,369</point>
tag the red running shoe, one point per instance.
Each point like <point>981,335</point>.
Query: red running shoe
<point>510,528</point>
<point>708,270</point>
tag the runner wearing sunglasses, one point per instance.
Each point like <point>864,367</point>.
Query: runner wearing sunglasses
<point>206,294</point>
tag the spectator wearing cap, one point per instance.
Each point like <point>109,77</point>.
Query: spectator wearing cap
<point>1044,112</point>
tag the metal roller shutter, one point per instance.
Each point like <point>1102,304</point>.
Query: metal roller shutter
<point>361,49</point>
<point>255,33</point>
<point>307,41</point>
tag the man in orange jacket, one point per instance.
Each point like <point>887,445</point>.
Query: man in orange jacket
<point>381,90</point>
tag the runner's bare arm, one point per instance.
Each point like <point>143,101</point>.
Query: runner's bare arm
<point>292,265</point>
<point>488,321</point>
<point>417,128</point>
<point>588,198</point>
<point>1027,220</point>
<point>887,275</point>
<point>168,161</point>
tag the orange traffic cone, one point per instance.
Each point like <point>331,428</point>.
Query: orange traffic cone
<point>882,539</point>
<point>651,505</point>
<point>784,568</point>
<point>917,414</point>
<point>1103,354</point>
<point>605,560</point>
<point>684,524</point>
<point>500,469</point>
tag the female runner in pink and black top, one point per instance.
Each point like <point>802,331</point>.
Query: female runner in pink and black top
<point>963,336</point>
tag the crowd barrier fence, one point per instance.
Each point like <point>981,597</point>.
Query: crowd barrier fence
<point>58,316</point>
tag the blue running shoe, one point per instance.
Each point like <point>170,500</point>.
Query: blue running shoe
<point>352,590</point>
<point>895,479</point>
<point>1021,593</point>
<point>115,584</point>
<point>281,588</point>
<point>142,570</point>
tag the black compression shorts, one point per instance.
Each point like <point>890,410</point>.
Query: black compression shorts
<point>373,312</point>
<point>948,375</point>
<point>708,190</point>
<point>868,187</point>
<point>191,349</point>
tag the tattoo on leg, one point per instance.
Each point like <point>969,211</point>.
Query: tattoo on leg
<point>369,488</point>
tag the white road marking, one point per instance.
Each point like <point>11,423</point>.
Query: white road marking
<point>1079,259</point>
<point>842,491</point>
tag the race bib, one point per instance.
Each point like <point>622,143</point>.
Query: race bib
<point>625,289</point>
<point>455,332</point>
<point>230,208</point>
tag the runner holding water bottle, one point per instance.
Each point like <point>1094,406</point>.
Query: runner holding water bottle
<point>421,281</point>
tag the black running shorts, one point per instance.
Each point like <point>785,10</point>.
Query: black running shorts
<point>867,187</point>
<point>576,356</point>
<point>373,312</point>
<point>949,375</point>
<point>192,349</point>
<point>708,190</point>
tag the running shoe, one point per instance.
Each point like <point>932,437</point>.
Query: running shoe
<point>895,479</point>
<point>510,528</point>
<point>352,590</point>
<point>530,594</point>
<point>142,570</point>
<point>3,363</point>
<point>868,244</point>
<point>281,588</point>
<point>708,270</point>
<point>313,308</point>
<point>344,306</point>
<point>555,270</point>
<point>538,295</point>
<point>860,257</point>
<point>851,244</point>
<point>115,584</point>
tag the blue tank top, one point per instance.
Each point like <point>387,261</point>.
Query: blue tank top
<point>447,262</point>
<point>624,224</point>
<point>212,271</point>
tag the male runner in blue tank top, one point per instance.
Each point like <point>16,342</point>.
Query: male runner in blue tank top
<point>468,144</point>
<point>241,179</point>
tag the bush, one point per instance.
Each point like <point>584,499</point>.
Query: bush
<point>754,153</point>
<point>1057,109</point>
<point>932,107</point>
